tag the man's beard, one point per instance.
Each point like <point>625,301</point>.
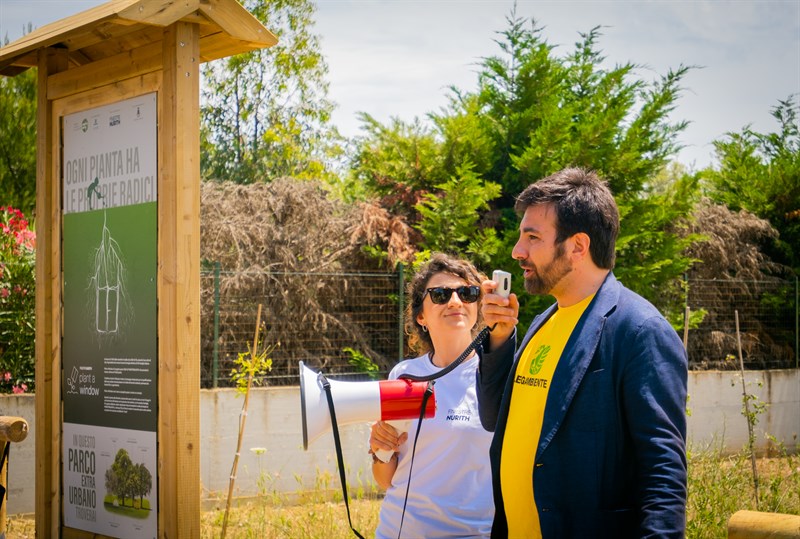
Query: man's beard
<point>542,282</point>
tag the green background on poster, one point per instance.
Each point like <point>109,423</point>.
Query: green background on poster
<point>110,340</point>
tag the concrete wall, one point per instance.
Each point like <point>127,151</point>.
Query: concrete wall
<point>273,422</point>
<point>715,408</point>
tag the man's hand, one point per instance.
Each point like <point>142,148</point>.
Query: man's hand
<point>499,312</point>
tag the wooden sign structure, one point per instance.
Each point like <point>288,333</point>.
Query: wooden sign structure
<point>115,54</point>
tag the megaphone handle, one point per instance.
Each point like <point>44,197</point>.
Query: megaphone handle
<point>384,455</point>
<point>402,426</point>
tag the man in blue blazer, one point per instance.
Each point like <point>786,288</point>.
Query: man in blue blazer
<point>589,413</point>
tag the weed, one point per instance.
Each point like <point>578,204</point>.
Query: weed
<point>719,485</point>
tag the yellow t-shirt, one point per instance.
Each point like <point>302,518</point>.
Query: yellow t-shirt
<point>531,385</point>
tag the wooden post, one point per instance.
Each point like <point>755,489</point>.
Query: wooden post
<point>758,525</point>
<point>48,294</point>
<point>746,399</point>
<point>12,429</point>
<point>121,50</point>
<point>686,316</point>
<point>4,489</point>
<point>179,286</point>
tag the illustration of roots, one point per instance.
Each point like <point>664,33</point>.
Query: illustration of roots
<point>108,284</point>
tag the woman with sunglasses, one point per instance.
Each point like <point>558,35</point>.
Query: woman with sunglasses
<point>451,487</point>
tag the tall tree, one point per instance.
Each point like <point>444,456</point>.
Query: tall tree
<point>397,163</point>
<point>449,218</point>
<point>428,179</point>
<point>18,141</point>
<point>535,112</point>
<point>547,112</point>
<point>266,113</point>
<point>760,173</point>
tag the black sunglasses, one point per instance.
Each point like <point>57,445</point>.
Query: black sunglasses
<point>441,294</point>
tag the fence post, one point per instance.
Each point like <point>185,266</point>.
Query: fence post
<point>12,429</point>
<point>685,292</point>
<point>215,358</point>
<point>401,295</point>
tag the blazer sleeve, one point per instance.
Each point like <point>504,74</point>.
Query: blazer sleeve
<point>491,378</point>
<point>655,390</point>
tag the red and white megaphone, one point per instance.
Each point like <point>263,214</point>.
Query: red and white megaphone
<point>393,401</point>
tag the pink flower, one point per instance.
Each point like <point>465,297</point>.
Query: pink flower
<point>19,389</point>
<point>4,293</point>
<point>7,376</point>
<point>26,238</point>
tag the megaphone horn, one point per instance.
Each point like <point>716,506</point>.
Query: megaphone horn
<point>386,400</point>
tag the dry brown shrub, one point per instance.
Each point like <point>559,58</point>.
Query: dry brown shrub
<point>735,245</point>
<point>378,227</point>
<point>734,274</point>
<point>289,246</point>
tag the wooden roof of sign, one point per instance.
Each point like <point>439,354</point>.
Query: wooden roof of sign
<point>226,29</point>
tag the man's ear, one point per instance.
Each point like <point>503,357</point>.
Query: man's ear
<point>580,246</point>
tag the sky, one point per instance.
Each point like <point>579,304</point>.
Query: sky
<point>398,58</point>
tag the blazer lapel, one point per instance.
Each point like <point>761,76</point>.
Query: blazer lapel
<point>538,321</point>
<point>575,360</point>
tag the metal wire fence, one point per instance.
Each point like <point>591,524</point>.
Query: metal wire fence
<point>317,317</point>
<point>768,324</point>
<point>326,320</point>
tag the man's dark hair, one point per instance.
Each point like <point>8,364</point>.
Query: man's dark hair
<point>583,203</point>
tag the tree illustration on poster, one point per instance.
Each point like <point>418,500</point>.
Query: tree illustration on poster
<point>128,481</point>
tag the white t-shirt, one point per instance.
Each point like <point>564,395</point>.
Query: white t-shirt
<point>451,489</point>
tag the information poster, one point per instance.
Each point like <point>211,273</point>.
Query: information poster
<point>109,342</point>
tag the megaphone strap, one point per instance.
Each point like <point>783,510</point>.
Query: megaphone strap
<point>459,360</point>
<point>425,397</point>
<point>326,385</point>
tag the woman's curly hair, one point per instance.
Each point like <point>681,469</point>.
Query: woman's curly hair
<point>419,340</point>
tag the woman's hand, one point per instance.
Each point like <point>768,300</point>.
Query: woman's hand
<point>386,437</point>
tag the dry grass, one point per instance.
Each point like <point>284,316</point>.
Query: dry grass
<point>262,519</point>
<point>20,527</point>
<point>313,520</point>
<point>718,487</point>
